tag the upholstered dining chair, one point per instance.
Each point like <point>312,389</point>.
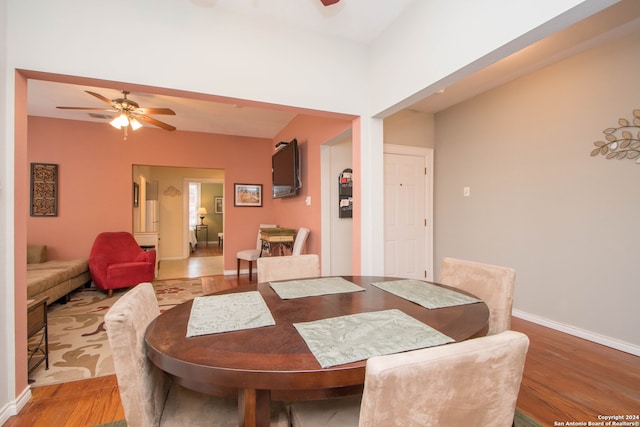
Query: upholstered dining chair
<point>252,255</point>
<point>492,283</point>
<point>300,241</point>
<point>149,396</point>
<point>443,386</point>
<point>288,267</point>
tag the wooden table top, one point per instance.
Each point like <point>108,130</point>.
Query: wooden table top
<point>276,358</point>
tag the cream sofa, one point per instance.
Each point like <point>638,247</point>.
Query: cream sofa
<point>55,278</point>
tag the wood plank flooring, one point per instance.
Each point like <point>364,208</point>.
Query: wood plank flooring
<point>566,379</point>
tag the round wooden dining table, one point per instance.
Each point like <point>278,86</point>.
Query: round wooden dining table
<point>274,362</point>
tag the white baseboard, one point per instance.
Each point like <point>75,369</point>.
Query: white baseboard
<point>14,407</point>
<point>580,333</point>
<point>242,271</point>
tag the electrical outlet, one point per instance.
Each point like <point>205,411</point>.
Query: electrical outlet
<point>466,191</point>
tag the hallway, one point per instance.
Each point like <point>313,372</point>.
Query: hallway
<point>204,261</point>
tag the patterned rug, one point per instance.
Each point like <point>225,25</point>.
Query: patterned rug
<point>78,343</point>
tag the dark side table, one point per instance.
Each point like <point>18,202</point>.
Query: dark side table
<point>37,324</point>
<point>205,228</point>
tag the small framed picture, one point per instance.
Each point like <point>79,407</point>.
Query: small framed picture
<point>217,205</point>
<point>247,195</point>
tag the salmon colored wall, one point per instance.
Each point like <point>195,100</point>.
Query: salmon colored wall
<point>292,212</point>
<point>95,179</point>
<point>21,211</point>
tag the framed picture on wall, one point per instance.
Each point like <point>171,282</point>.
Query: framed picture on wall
<point>247,195</point>
<point>44,189</point>
<point>217,205</point>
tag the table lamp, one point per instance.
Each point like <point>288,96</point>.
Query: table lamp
<point>202,212</point>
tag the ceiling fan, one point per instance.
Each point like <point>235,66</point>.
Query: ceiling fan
<point>329,2</point>
<point>129,113</point>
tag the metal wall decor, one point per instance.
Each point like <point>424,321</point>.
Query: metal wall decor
<point>44,189</point>
<point>621,142</point>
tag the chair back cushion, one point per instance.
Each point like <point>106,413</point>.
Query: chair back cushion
<point>143,387</point>
<point>474,381</point>
<point>115,247</point>
<point>299,242</point>
<point>492,283</point>
<point>288,267</point>
<point>36,254</point>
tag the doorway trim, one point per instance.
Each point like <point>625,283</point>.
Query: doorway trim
<point>427,155</point>
<point>186,253</point>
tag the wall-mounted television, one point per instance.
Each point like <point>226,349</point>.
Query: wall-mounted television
<point>285,170</point>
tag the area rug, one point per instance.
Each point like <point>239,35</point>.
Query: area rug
<point>78,343</point>
<point>520,420</point>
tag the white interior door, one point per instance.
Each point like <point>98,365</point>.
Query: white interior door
<point>407,232</point>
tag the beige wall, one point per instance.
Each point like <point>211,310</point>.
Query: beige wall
<point>566,221</point>
<point>409,127</point>
<point>214,220</point>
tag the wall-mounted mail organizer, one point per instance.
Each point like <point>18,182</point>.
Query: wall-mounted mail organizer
<point>345,194</point>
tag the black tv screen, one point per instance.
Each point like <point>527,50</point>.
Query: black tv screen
<point>285,168</point>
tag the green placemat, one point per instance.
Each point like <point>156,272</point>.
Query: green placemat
<point>313,287</point>
<point>225,313</point>
<point>425,294</point>
<point>345,339</point>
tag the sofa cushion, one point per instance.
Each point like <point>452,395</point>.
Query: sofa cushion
<point>74,267</point>
<point>38,281</point>
<point>36,254</point>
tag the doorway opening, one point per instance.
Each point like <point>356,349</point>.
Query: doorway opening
<point>206,220</point>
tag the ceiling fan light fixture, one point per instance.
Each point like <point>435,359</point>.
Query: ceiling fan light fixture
<point>128,112</point>
<point>135,125</point>
<point>121,121</point>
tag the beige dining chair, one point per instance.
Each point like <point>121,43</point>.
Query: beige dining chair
<point>288,267</point>
<point>301,239</point>
<point>149,396</point>
<point>252,255</point>
<point>470,382</point>
<point>492,283</point>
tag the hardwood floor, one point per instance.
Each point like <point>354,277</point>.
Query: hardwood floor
<point>566,379</point>
<point>212,249</point>
<point>571,379</point>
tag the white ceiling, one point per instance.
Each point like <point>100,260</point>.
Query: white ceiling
<point>360,20</point>
<point>191,114</point>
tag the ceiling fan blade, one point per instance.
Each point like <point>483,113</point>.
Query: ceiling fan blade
<point>155,111</point>
<point>87,108</point>
<point>101,98</point>
<point>155,122</point>
<point>329,2</point>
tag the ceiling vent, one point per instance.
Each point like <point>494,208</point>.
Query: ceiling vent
<point>100,116</point>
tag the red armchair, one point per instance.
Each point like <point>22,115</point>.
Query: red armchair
<point>116,261</point>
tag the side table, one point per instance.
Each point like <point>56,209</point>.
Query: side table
<point>205,227</point>
<point>275,240</point>
<point>37,323</point>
